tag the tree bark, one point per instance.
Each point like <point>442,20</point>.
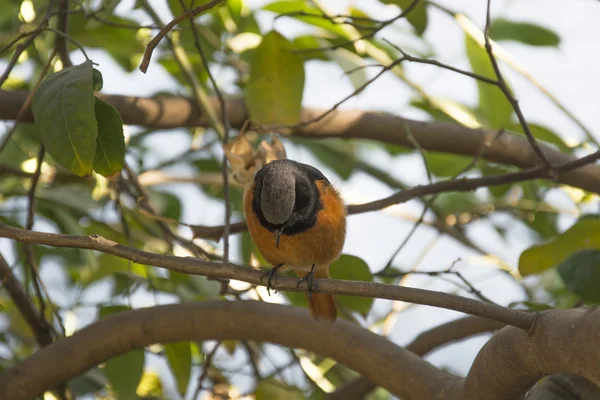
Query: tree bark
<point>176,112</point>
<point>506,367</point>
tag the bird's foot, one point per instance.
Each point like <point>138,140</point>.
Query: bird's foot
<point>310,281</point>
<point>270,274</point>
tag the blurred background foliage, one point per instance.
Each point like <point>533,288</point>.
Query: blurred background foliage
<point>266,64</point>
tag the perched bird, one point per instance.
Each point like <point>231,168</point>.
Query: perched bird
<point>297,220</point>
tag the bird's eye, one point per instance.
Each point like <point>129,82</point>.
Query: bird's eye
<point>302,196</point>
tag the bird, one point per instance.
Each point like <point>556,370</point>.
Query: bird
<point>297,219</point>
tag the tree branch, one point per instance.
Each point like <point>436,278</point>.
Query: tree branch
<point>510,363</point>
<point>426,342</point>
<point>174,112</point>
<point>194,266</point>
<point>38,326</point>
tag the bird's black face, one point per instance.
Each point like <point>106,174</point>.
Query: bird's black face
<point>286,198</point>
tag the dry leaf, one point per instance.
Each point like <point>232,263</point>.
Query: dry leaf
<point>245,161</point>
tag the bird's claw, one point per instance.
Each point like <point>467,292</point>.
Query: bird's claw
<point>270,274</point>
<point>310,281</point>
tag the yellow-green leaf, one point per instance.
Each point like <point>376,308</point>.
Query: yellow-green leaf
<point>492,102</point>
<point>276,83</point>
<point>269,389</point>
<point>585,234</point>
<point>179,358</point>
<point>110,142</point>
<point>63,111</point>
<point>352,268</point>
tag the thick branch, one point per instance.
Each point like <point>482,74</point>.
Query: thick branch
<point>426,342</point>
<point>194,266</point>
<point>369,354</point>
<point>510,363</point>
<point>510,149</point>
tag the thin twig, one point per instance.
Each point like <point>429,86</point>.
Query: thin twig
<point>26,106</point>
<point>23,46</point>
<point>163,32</point>
<point>225,139</point>
<point>501,83</point>
<point>369,35</point>
<point>458,185</point>
<point>205,368</point>
<point>195,266</point>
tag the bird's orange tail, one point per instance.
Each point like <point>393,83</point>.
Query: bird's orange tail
<point>321,305</point>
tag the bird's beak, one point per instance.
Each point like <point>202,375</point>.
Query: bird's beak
<point>277,236</point>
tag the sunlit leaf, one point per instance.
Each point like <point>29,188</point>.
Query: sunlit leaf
<point>417,16</point>
<point>492,101</point>
<point>585,234</point>
<point>313,43</point>
<point>274,90</point>
<point>350,267</point>
<point>63,110</point>
<point>312,15</point>
<point>110,143</point>
<point>524,32</point>
<point>581,274</point>
<point>179,358</point>
<point>269,389</point>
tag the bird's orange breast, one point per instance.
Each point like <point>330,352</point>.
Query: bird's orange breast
<point>321,244</point>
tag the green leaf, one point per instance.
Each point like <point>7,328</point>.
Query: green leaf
<point>107,266</point>
<point>124,373</point>
<point>417,16</point>
<point>330,155</point>
<point>488,169</point>
<point>581,274</point>
<point>63,111</point>
<point>524,32</point>
<point>492,103</point>
<point>168,205</point>
<point>271,388</point>
<point>541,133</point>
<point>276,83</point>
<point>309,42</point>
<point>97,80</point>
<point>446,165</point>
<point>294,6</point>
<point>350,267</point>
<point>456,202</point>
<point>124,46</point>
<point>585,234</point>
<point>105,311</point>
<point>179,358</point>
<point>110,143</point>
